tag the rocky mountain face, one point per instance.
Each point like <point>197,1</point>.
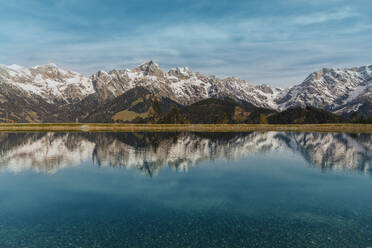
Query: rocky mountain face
<point>148,152</point>
<point>181,85</point>
<point>49,82</point>
<point>335,90</point>
<point>33,94</point>
<point>50,94</point>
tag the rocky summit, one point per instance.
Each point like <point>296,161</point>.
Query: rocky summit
<point>50,94</point>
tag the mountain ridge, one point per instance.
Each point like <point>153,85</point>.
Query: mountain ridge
<point>341,91</point>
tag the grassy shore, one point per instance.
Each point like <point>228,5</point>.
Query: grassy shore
<point>109,127</point>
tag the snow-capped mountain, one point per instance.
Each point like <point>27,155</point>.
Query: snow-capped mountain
<point>335,90</point>
<point>51,83</point>
<point>182,85</point>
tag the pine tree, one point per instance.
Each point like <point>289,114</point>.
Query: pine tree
<point>174,115</point>
<point>156,113</point>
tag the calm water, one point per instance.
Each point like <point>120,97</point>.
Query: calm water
<point>185,190</point>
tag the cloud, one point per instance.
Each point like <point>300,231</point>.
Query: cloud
<point>325,16</point>
<point>264,47</point>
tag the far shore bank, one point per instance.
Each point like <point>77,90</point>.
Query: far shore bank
<point>114,127</point>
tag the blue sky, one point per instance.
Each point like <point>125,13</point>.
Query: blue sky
<point>277,42</point>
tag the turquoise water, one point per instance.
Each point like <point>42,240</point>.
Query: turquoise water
<point>185,190</point>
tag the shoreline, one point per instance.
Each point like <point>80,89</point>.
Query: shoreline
<point>113,127</point>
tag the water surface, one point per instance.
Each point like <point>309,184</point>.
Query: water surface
<point>255,189</point>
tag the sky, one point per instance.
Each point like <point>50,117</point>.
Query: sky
<point>276,42</point>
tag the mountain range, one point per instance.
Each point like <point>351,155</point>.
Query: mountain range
<point>147,93</point>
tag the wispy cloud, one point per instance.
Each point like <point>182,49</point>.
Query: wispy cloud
<point>324,16</point>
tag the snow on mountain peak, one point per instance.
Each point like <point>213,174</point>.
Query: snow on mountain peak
<point>49,82</point>
<point>180,72</point>
<point>50,64</point>
<point>336,90</point>
<point>15,67</point>
<point>150,68</point>
<point>180,84</point>
<point>184,86</point>
<point>331,89</point>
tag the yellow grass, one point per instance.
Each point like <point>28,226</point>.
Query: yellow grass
<point>112,127</point>
<point>127,115</point>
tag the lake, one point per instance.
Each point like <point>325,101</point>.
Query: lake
<point>258,189</point>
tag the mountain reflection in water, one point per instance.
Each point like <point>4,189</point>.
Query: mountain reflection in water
<point>148,152</point>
